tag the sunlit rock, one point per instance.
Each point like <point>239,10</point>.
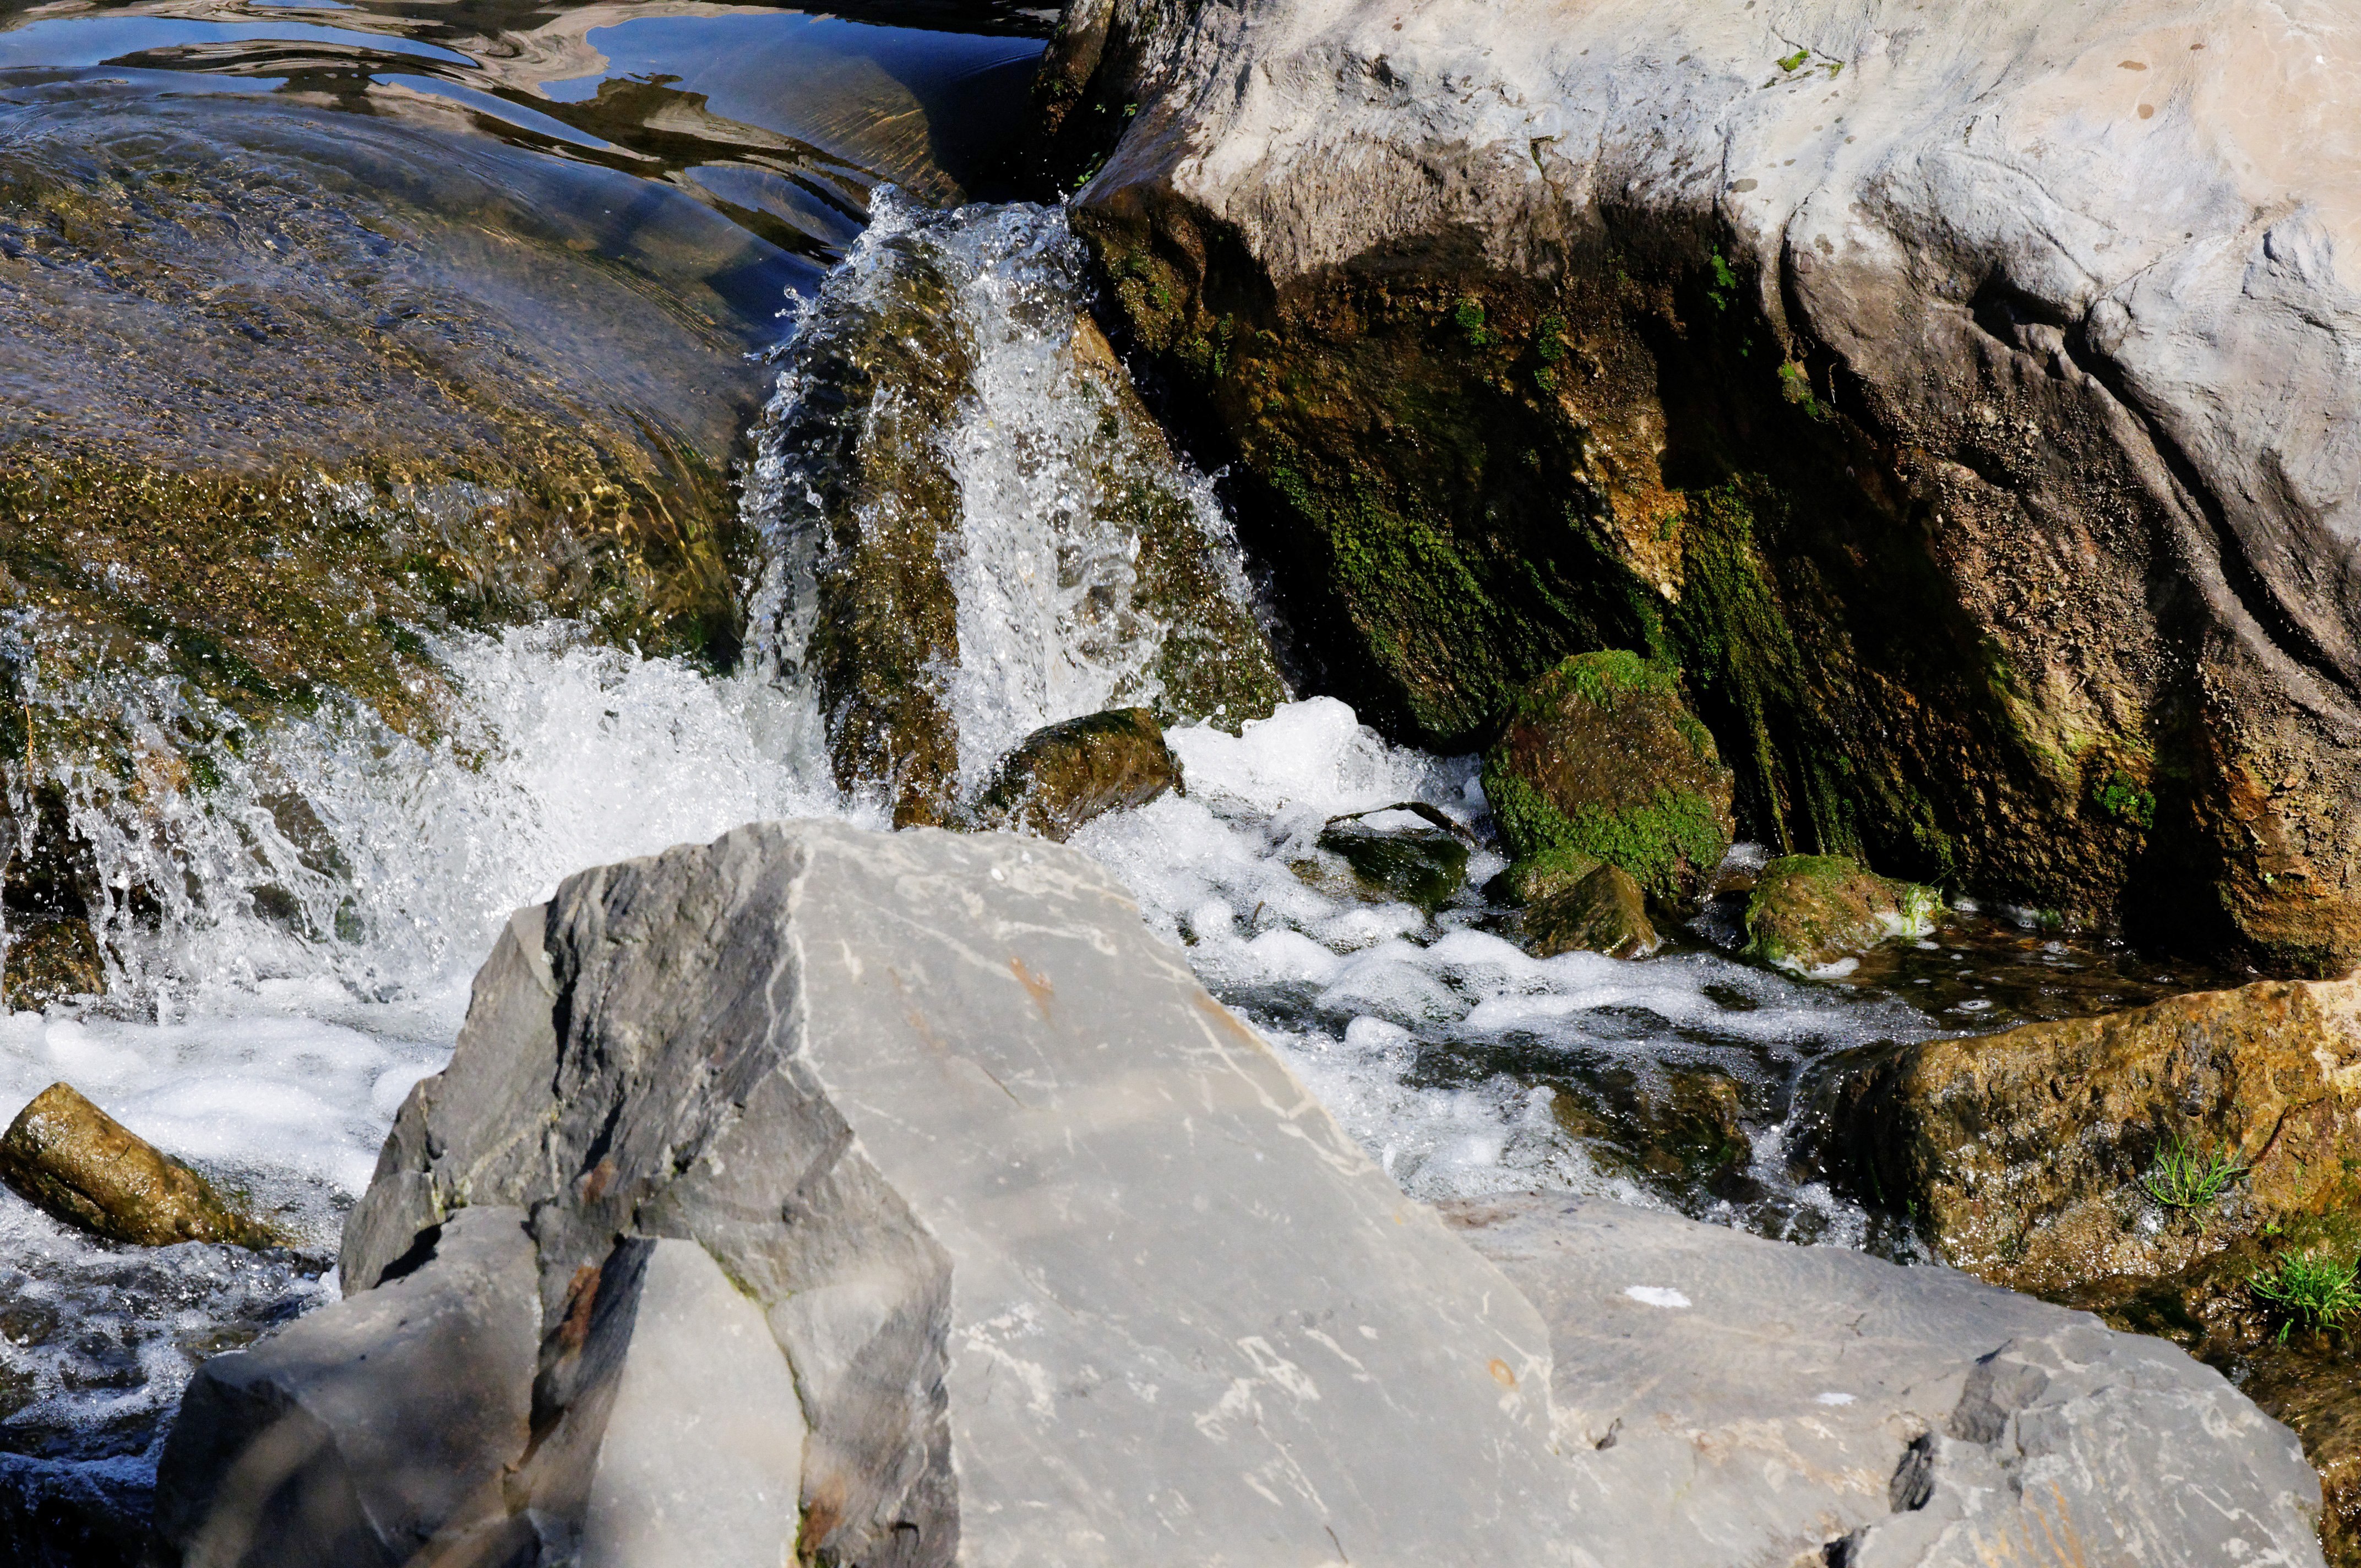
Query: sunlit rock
<point>1603,912</point>
<point>1066,773</point>
<point>77,1164</point>
<point>1809,912</point>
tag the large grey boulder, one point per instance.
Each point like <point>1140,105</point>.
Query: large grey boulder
<point>1065,1266</point>
<point>1963,393</point>
<point>1734,1400</point>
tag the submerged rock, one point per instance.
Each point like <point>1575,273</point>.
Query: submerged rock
<point>2129,1144</point>
<point>79,1165</point>
<point>1422,861</point>
<point>1730,1399</point>
<point>1809,912</point>
<point>1065,1265</point>
<point>1065,774</point>
<point>1682,1134</point>
<point>1600,761</point>
<point>1931,394</point>
<point>1603,912</point>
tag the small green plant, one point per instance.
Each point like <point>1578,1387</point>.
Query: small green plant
<point>2183,1177</point>
<point>1795,386</point>
<point>1725,283</point>
<point>1470,314</point>
<point>2122,798</point>
<point>1795,60</point>
<point>2309,1289</point>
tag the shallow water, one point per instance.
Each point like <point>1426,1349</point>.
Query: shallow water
<point>289,938</point>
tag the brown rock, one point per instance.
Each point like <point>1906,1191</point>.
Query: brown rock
<point>1810,911</point>
<point>1601,762</point>
<point>1603,912</point>
<point>1063,774</point>
<point>79,1165</point>
<point>2030,1156</point>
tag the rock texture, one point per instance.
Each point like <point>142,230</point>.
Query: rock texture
<point>1961,395</point>
<point>1730,1399</point>
<point>1066,1266</point>
<point>1601,763</point>
<point>1603,912</point>
<point>77,1164</point>
<point>2031,1157</point>
<point>1064,774</point>
<point>1809,912</point>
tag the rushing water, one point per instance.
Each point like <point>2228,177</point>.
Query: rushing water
<point>289,938</point>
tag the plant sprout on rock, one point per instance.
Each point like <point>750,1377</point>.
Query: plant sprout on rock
<point>2310,1289</point>
<point>2183,1177</point>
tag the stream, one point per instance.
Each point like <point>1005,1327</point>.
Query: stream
<point>294,905</point>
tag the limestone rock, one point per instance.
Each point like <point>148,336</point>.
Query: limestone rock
<point>1809,912</point>
<point>1065,1265</point>
<point>1603,912</point>
<point>2032,1157</point>
<point>1064,774</point>
<point>1729,1399</point>
<point>357,1434</point>
<point>1958,395</point>
<point>77,1164</point>
<point>1601,762</point>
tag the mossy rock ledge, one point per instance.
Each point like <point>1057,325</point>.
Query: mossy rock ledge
<point>2147,1165</point>
<point>1808,914</point>
<point>1601,764</point>
<point>1977,546</point>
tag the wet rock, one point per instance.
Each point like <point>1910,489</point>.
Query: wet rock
<point>1603,912</point>
<point>1409,850</point>
<point>49,960</point>
<point>1065,774</point>
<point>1050,1242</point>
<point>942,383</point>
<point>1600,761</point>
<point>360,1433</point>
<point>1736,348</point>
<point>1809,912</point>
<point>1726,1399</point>
<point>2132,1144</point>
<point>1683,1134</point>
<point>79,1165</point>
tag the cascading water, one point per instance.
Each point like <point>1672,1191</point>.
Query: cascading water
<point>290,916</point>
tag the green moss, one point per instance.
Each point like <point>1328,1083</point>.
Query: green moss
<point>1651,842</point>
<point>2122,798</point>
<point>1469,316</point>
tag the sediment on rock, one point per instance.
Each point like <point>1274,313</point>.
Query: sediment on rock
<point>1972,525</point>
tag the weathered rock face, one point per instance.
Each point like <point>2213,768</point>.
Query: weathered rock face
<point>1065,774</point>
<point>1065,1266</point>
<point>959,473</point>
<point>77,1164</point>
<point>1808,912</point>
<point>1603,912</point>
<point>2036,1156</point>
<point>1957,394</point>
<point>1601,762</point>
<point>1729,1399</point>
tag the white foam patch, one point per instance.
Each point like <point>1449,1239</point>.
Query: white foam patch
<point>1656,1296</point>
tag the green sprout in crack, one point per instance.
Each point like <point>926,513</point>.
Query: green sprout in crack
<point>1795,60</point>
<point>2182,1177</point>
<point>2309,1290</point>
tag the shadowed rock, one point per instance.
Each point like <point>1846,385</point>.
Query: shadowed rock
<point>77,1164</point>
<point>1064,774</point>
<point>1408,850</point>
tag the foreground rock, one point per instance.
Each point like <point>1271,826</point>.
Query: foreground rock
<point>1601,764</point>
<point>2045,1157</point>
<point>1730,1399</point>
<point>1065,774</point>
<point>1807,913</point>
<point>79,1165</point>
<point>1924,384</point>
<point>1065,1266</point>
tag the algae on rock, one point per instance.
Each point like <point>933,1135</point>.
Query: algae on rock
<point>1809,912</point>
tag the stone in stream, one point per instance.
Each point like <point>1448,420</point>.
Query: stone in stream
<point>1930,394</point>
<point>1423,859</point>
<point>1066,773</point>
<point>1807,913</point>
<point>1066,1266</point>
<point>1729,1399</point>
<point>1601,763</point>
<point>1603,912</point>
<point>79,1165</point>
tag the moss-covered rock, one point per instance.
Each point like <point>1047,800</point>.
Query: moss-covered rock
<point>1603,912</point>
<point>1065,774</point>
<point>79,1165</point>
<point>1809,912</point>
<point>1601,761</point>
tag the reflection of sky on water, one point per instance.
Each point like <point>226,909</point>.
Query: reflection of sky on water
<point>94,41</point>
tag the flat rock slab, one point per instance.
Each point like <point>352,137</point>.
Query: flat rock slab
<point>1727,1399</point>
